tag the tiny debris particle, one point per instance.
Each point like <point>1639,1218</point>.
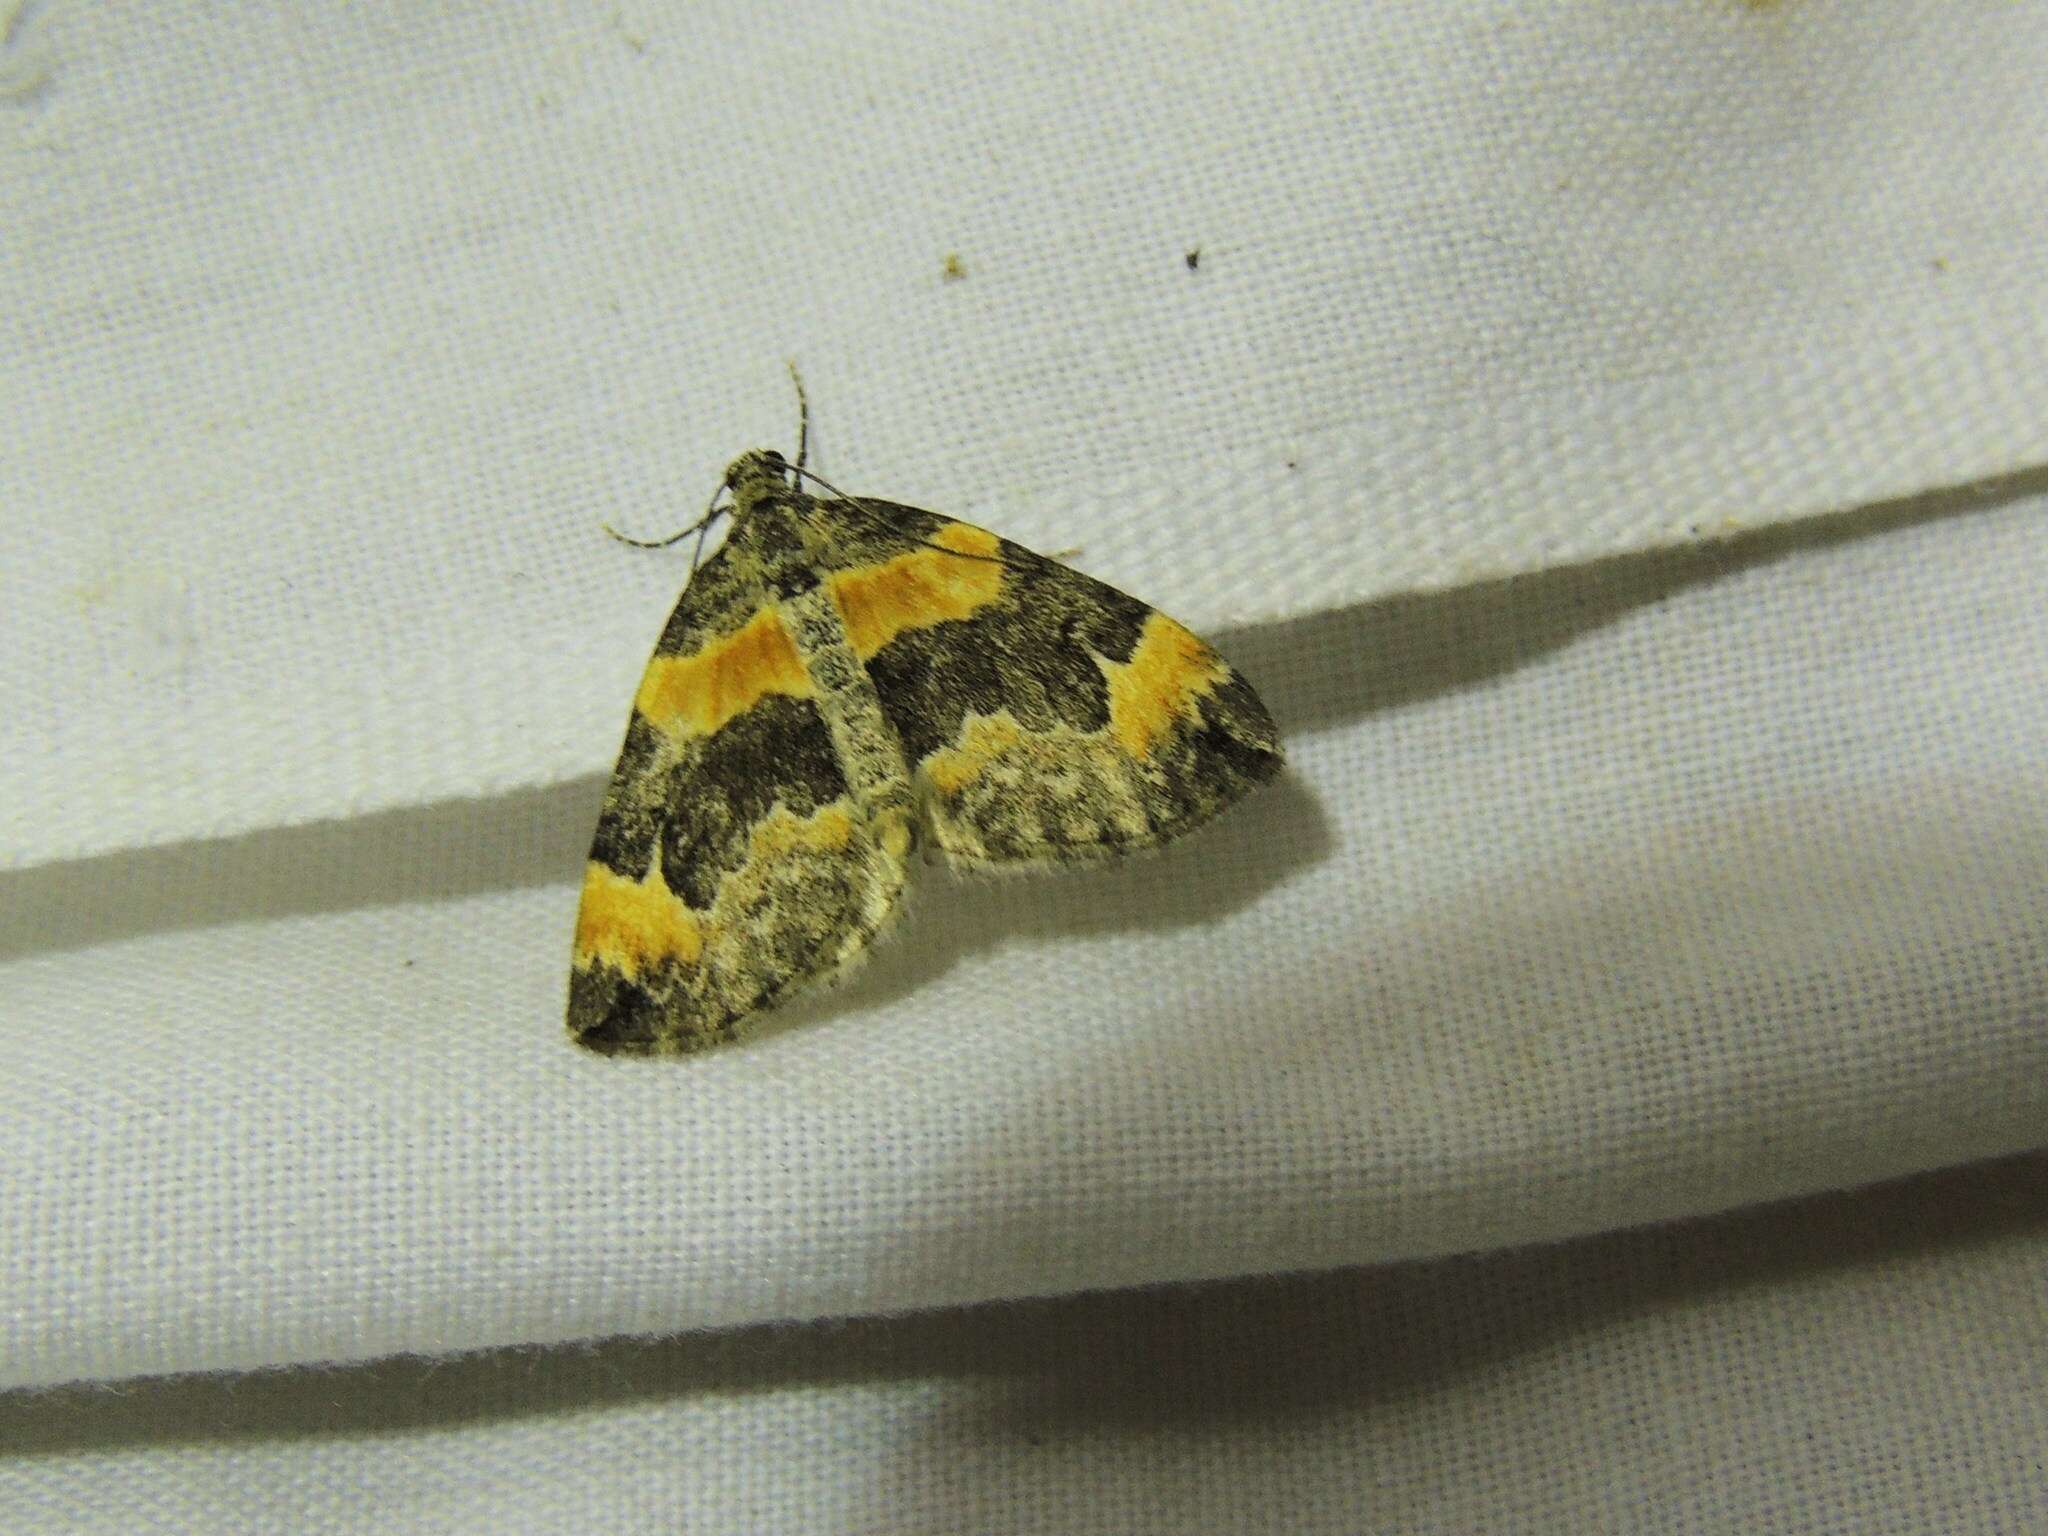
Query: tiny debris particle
<point>1193,258</point>
<point>953,271</point>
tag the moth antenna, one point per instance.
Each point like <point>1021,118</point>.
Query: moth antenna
<point>697,554</point>
<point>803,454</point>
<point>702,528</point>
<point>872,515</point>
<point>803,419</point>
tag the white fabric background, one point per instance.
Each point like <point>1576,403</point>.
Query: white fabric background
<point>337,337</point>
<point>1606,896</point>
<point>1866,1363</point>
<point>1632,867</point>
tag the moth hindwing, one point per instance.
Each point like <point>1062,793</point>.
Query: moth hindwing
<point>844,681</point>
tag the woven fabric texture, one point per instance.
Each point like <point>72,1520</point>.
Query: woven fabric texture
<point>1610,437</point>
<point>331,342</point>
<point>1868,1363</point>
<point>1591,898</point>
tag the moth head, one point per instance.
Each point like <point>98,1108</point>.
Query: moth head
<point>755,476</point>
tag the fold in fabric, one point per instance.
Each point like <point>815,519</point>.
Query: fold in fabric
<point>1605,896</point>
<point>1868,1362</point>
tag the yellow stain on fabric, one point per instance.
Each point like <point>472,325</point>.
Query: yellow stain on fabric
<point>694,695</point>
<point>924,587</point>
<point>1168,675</point>
<point>634,925</point>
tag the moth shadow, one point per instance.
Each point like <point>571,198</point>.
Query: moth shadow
<point>1331,669</point>
<point>950,915</point>
<point>444,851</point>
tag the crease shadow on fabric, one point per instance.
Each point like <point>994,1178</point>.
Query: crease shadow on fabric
<point>1150,1359</point>
<point>1365,659</point>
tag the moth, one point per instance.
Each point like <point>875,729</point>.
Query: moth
<point>847,684</point>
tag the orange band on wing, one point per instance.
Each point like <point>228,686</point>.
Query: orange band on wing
<point>878,602</point>
<point>1168,674</point>
<point>634,925</point>
<point>695,695</point>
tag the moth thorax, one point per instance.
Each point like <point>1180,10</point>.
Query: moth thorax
<point>755,476</point>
